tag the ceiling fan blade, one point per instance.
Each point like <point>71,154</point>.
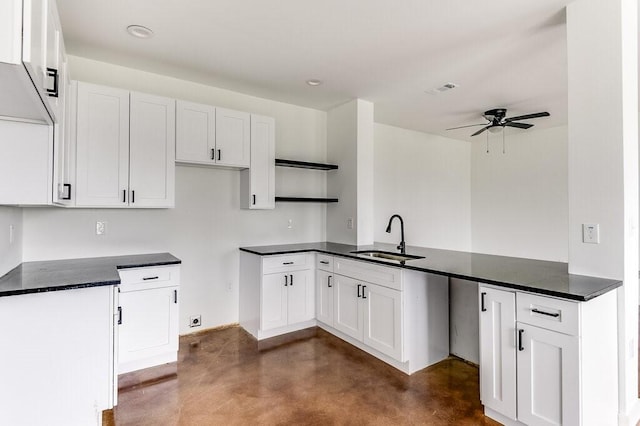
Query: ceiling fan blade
<point>464,127</point>
<point>519,125</point>
<point>481,130</point>
<point>527,116</point>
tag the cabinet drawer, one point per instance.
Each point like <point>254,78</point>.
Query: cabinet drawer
<point>547,312</point>
<point>135,279</point>
<point>290,262</point>
<point>365,271</point>
<point>324,262</point>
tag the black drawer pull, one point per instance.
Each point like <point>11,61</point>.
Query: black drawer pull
<point>520,347</point>
<point>287,263</point>
<point>482,307</point>
<point>363,293</point>
<point>175,296</point>
<point>324,262</point>
<point>119,315</point>
<point>556,315</point>
<point>150,278</point>
<point>359,285</point>
<point>329,281</point>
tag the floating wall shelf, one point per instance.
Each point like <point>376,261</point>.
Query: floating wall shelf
<point>306,200</point>
<point>304,165</point>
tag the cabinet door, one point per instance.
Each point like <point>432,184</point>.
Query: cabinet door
<point>34,43</point>
<point>273,304</point>
<point>324,297</point>
<point>301,297</point>
<point>149,324</point>
<point>195,133</point>
<point>383,319</point>
<point>54,58</point>
<point>548,377</point>
<point>233,138</point>
<point>64,146</point>
<point>498,350</point>
<point>347,314</point>
<point>152,151</point>
<point>258,182</point>
<point>102,142</point>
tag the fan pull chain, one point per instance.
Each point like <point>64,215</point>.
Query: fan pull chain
<point>503,130</point>
<point>487,142</point>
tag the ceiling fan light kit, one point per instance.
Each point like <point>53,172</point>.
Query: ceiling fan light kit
<point>497,121</point>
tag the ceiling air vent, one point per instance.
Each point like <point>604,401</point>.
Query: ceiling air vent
<point>444,88</point>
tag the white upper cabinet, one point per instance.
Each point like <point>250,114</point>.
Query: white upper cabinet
<point>102,169</point>
<point>257,184</point>
<point>31,57</point>
<point>151,148</point>
<point>212,136</point>
<point>125,158</point>
<point>233,138</point>
<point>195,133</point>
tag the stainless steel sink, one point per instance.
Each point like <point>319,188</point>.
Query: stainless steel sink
<point>387,255</point>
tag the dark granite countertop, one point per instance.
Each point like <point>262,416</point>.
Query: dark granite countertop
<point>52,275</point>
<point>536,276</point>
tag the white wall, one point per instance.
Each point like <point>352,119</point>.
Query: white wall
<point>10,246</point>
<point>519,203</point>
<point>207,226</point>
<point>424,178</point>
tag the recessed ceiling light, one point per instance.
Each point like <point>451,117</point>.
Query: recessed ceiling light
<point>139,31</point>
<point>313,82</point>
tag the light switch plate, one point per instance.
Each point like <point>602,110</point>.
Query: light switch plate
<point>350,223</point>
<point>591,233</point>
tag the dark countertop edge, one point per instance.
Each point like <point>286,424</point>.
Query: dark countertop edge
<point>521,287</point>
<point>58,288</point>
<point>149,264</point>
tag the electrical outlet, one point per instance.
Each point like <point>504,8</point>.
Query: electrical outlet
<point>350,223</point>
<point>290,224</point>
<point>195,321</point>
<point>101,228</point>
<point>591,233</point>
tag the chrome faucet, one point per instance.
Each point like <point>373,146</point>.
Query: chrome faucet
<point>401,247</point>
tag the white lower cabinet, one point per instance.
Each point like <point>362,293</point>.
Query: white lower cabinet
<point>382,320</point>
<point>547,361</point>
<point>277,294</point>
<point>324,296</point>
<point>148,317</point>
<point>57,351</point>
<point>347,307</point>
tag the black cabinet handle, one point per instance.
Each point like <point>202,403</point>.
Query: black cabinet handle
<point>119,315</point>
<point>324,262</point>
<point>175,296</point>
<point>286,280</point>
<point>213,154</point>
<point>291,280</point>
<point>329,281</point>
<point>482,307</point>
<point>254,199</point>
<point>287,263</point>
<point>124,195</point>
<point>520,347</point>
<point>133,196</point>
<point>556,315</point>
<point>149,278</point>
<point>67,187</point>
<point>219,154</point>
<point>52,72</point>
<point>363,293</point>
<point>359,285</point>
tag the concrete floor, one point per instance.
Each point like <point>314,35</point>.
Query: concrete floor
<point>225,377</point>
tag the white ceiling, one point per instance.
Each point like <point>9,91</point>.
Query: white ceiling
<point>502,53</point>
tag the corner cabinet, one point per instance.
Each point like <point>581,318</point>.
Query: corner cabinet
<point>257,183</point>
<point>125,148</point>
<point>148,317</point>
<point>277,293</point>
<point>208,135</point>
<point>532,351</point>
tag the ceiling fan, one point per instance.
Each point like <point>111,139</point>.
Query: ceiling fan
<point>496,121</point>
